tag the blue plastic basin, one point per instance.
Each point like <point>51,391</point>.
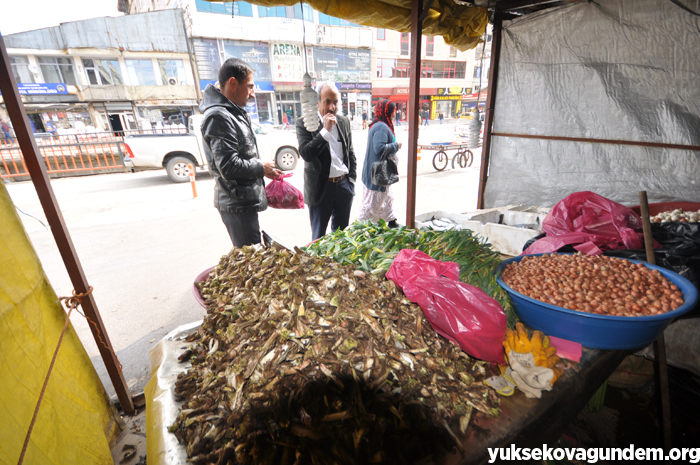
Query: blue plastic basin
<point>593,330</point>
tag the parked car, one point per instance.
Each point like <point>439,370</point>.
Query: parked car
<point>175,151</point>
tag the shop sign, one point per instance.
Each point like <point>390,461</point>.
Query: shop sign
<point>400,91</point>
<point>355,86</point>
<point>287,63</point>
<point>42,89</point>
<point>252,109</point>
<point>475,95</point>
<point>454,90</point>
<point>445,97</point>
<point>154,103</point>
<point>346,65</point>
<point>256,54</point>
<point>208,58</point>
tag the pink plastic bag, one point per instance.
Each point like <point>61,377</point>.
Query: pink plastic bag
<point>281,194</point>
<point>592,222</point>
<point>464,314</point>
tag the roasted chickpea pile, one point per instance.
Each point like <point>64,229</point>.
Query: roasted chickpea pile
<point>602,285</point>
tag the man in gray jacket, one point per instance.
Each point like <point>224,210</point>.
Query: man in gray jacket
<point>232,153</point>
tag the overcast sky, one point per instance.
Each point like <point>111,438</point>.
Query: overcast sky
<point>26,15</point>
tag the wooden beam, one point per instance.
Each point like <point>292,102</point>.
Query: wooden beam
<point>490,107</point>
<point>514,5</point>
<point>40,178</point>
<point>413,110</point>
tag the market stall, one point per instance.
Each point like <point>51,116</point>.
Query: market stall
<point>286,329</point>
<point>530,421</point>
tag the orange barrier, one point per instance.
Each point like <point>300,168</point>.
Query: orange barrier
<point>192,181</point>
<point>73,153</point>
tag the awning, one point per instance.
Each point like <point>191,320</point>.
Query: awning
<point>460,25</point>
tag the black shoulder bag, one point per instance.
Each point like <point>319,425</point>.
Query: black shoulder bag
<point>385,172</point>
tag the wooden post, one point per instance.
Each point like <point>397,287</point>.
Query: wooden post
<point>490,104</point>
<point>40,178</point>
<point>413,109</point>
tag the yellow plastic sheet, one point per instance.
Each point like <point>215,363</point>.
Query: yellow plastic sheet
<point>76,423</point>
<point>462,26</point>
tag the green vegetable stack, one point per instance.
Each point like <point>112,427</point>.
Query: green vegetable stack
<point>373,246</point>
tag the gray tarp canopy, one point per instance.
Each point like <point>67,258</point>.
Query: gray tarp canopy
<point>601,96</point>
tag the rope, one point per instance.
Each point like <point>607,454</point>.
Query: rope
<point>303,37</point>
<point>72,303</point>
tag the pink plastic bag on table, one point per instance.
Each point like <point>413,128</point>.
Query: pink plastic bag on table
<point>591,221</point>
<point>464,314</point>
<point>281,194</point>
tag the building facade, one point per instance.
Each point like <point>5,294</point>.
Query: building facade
<point>148,68</point>
<point>449,81</point>
<point>366,64</point>
<point>289,41</point>
<point>105,74</point>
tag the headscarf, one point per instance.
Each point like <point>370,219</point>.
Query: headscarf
<point>383,112</point>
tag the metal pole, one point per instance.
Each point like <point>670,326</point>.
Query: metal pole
<point>490,104</point>
<point>413,107</point>
<point>193,64</point>
<point>40,178</point>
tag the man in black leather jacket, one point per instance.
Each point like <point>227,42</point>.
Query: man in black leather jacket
<point>232,153</point>
<point>330,167</point>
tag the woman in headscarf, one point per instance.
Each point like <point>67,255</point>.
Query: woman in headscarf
<point>377,201</point>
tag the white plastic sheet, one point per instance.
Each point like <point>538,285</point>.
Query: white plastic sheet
<point>161,407</point>
<point>615,69</point>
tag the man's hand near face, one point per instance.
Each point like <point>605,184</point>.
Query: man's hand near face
<point>328,121</point>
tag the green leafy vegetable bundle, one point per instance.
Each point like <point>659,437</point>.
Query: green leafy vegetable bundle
<point>372,247</point>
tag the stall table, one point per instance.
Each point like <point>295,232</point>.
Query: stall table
<point>522,421</point>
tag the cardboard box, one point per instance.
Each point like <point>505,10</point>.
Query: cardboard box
<point>507,229</point>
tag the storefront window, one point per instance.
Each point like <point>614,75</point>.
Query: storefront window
<point>102,72</point>
<point>429,45</point>
<point>460,69</point>
<point>56,69</point>
<point>68,122</point>
<point>386,67</point>
<point>308,12</point>
<point>402,69</point>
<point>230,8</point>
<point>152,115</point>
<point>172,72</point>
<point>288,103</point>
<point>263,101</point>
<point>333,21</point>
<point>426,69</point>
<point>141,72</point>
<point>20,69</point>
<point>446,107</point>
<point>272,11</point>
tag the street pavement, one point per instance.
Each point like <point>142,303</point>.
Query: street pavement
<point>143,239</point>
